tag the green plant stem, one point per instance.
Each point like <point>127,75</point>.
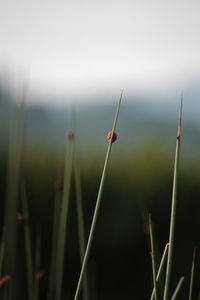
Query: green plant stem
<point>12,191</point>
<point>80,226</point>
<point>37,263</point>
<point>27,240</point>
<point>52,276</point>
<point>92,229</point>
<point>36,289</point>
<point>160,269</point>
<point>173,211</point>
<point>63,218</point>
<point>153,259</point>
<point>175,294</point>
<point>192,275</point>
<point>2,248</point>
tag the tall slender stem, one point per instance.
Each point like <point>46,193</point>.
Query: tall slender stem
<point>80,226</point>
<point>2,247</point>
<point>27,240</point>
<point>64,215</point>
<point>52,275</point>
<point>12,191</point>
<point>173,210</point>
<point>153,259</point>
<point>192,275</point>
<point>91,234</point>
<point>37,263</point>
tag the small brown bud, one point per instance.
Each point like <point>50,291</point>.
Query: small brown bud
<point>4,279</point>
<point>20,218</point>
<point>58,185</point>
<point>109,136</point>
<point>70,135</point>
<point>39,275</point>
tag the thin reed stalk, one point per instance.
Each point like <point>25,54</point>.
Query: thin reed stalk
<point>64,214</point>
<point>192,274</point>
<point>95,216</point>
<point>175,294</point>
<point>37,264</point>
<point>153,259</point>
<point>2,248</point>
<point>12,191</point>
<point>160,269</point>
<point>173,210</point>
<point>80,226</point>
<point>27,240</point>
<point>52,276</point>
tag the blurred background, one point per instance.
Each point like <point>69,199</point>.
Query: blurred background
<point>60,57</point>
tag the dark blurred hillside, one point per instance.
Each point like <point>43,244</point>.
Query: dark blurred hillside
<point>140,121</point>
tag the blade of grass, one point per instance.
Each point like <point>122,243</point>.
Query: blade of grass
<point>52,276</point>
<point>192,274</point>
<point>27,240</point>
<point>64,214</point>
<point>173,210</point>
<point>80,226</point>
<point>2,248</point>
<point>160,269</point>
<point>92,229</point>
<point>175,294</point>
<point>153,259</point>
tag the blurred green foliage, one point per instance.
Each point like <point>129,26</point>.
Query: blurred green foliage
<point>136,184</point>
<point>139,181</point>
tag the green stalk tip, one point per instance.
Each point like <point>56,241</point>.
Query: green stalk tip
<point>192,274</point>
<point>175,294</point>
<point>180,119</point>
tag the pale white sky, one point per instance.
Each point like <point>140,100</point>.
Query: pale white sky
<point>84,47</point>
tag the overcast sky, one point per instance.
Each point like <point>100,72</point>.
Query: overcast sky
<point>84,47</point>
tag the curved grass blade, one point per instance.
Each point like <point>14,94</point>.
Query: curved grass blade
<point>153,259</point>
<point>175,294</point>
<point>91,234</point>
<point>192,274</point>
<point>173,210</point>
<point>161,267</point>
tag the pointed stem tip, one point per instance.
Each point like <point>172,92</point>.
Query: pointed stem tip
<point>180,118</point>
<point>194,255</point>
<point>150,224</point>
<point>120,99</point>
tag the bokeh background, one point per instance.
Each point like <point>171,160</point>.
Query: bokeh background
<point>63,56</point>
